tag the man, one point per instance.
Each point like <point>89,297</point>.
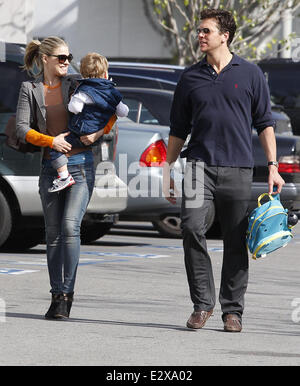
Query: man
<point>217,101</point>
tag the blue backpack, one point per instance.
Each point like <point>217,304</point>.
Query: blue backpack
<point>268,227</point>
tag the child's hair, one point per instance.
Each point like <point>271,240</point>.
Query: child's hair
<point>35,49</point>
<point>93,65</point>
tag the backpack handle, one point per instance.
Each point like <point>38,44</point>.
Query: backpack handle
<point>263,195</point>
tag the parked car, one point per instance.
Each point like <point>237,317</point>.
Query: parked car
<point>148,75</point>
<point>142,150</point>
<point>284,83</point>
<point>142,145</point>
<point>282,75</point>
<point>152,106</point>
<point>21,217</point>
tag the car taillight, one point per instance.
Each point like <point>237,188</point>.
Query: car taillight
<point>154,155</point>
<point>289,164</point>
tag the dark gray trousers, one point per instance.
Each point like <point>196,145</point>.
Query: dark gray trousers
<point>229,189</point>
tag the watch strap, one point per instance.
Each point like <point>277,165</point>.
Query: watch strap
<point>275,163</point>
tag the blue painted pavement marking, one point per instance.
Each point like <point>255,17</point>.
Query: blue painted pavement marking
<point>213,249</point>
<point>10,271</point>
<point>111,257</point>
<point>118,254</point>
<point>99,257</point>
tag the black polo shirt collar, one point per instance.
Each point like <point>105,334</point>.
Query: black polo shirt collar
<point>236,60</point>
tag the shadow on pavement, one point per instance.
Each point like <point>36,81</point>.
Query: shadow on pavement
<point>96,321</point>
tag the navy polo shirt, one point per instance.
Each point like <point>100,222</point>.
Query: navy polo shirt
<point>220,110</point>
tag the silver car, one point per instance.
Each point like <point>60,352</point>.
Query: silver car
<point>150,108</point>
<point>141,152</point>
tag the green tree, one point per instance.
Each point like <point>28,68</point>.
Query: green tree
<point>178,20</point>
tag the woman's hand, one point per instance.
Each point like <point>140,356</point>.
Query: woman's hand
<point>59,143</point>
<point>89,139</point>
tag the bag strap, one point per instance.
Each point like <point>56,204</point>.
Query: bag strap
<point>263,195</point>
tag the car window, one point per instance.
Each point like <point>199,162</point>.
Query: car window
<point>284,87</point>
<point>11,78</point>
<point>138,112</point>
<point>127,80</point>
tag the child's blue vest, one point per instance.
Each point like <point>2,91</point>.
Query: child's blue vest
<point>95,117</point>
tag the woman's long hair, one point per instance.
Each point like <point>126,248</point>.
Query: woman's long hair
<point>34,51</point>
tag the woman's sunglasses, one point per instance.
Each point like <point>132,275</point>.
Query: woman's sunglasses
<point>62,58</point>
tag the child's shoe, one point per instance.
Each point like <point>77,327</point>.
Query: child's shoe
<point>61,183</point>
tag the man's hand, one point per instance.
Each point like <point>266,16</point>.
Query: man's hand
<point>175,145</point>
<point>275,179</point>
<point>169,191</point>
<point>59,143</point>
<point>169,188</point>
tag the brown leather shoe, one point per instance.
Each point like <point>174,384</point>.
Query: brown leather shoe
<point>198,319</point>
<point>232,323</point>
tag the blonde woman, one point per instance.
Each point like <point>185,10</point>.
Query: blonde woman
<point>45,101</point>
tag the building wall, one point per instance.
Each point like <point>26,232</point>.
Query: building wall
<point>16,20</point>
<point>289,24</point>
<point>118,29</point>
<point>115,28</point>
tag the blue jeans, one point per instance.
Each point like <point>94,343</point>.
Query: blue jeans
<point>63,213</point>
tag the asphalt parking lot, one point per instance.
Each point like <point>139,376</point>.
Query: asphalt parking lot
<point>132,303</point>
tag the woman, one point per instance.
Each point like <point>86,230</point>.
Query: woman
<point>45,101</point>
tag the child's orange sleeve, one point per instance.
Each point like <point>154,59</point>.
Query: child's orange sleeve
<point>110,124</point>
<point>39,139</point>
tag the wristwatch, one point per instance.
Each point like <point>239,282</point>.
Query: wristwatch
<point>275,163</point>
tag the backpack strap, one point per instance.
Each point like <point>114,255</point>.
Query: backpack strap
<point>263,195</point>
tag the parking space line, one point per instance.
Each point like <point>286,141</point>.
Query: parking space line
<point>118,254</point>
<point>11,271</point>
<point>96,258</point>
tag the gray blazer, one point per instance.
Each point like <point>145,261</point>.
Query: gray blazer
<point>31,110</point>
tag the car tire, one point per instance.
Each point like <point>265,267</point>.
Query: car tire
<point>93,232</point>
<point>6,219</point>
<point>170,225</point>
<point>23,239</point>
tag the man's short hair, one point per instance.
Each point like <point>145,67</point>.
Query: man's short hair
<point>225,21</point>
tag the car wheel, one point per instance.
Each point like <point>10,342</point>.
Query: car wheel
<point>170,226</point>
<point>5,219</point>
<point>93,232</point>
<point>24,239</point>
